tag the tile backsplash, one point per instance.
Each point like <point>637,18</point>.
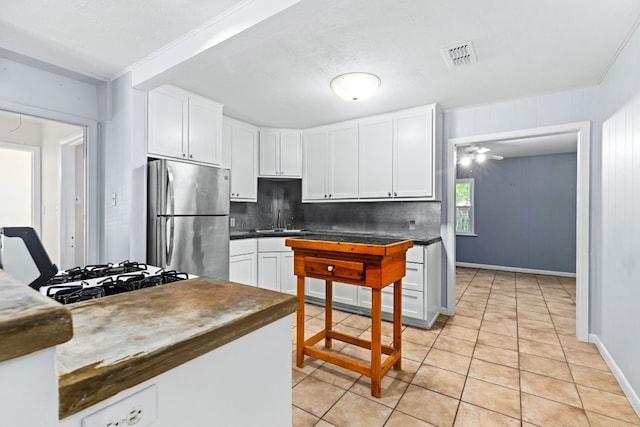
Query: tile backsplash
<point>285,196</point>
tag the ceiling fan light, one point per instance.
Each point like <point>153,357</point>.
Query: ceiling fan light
<point>481,157</point>
<point>465,161</point>
<point>355,86</point>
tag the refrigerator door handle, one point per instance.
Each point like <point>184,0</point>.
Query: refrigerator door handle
<point>170,243</point>
<point>171,208</point>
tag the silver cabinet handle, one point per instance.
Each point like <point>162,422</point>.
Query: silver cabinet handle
<point>389,194</point>
<point>184,155</point>
<point>329,195</point>
<point>191,156</point>
<point>325,196</point>
<point>395,194</point>
<point>330,268</point>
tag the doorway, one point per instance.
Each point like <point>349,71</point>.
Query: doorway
<point>582,133</point>
<point>44,163</point>
<point>20,185</point>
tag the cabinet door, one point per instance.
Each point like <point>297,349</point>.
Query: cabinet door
<point>269,153</point>
<point>288,280</point>
<point>345,294</point>
<point>243,269</point>
<point>290,154</point>
<point>413,153</point>
<point>314,165</point>
<point>244,160</point>
<point>342,163</point>
<point>168,116</point>
<point>269,270</point>
<point>376,158</point>
<point>205,131</point>
<point>314,287</point>
<point>412,301</point>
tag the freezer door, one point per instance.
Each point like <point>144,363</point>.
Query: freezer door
<point>177,188</point>
<point>196,245</point>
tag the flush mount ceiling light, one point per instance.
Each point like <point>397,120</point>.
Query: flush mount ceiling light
<point>355,86</point>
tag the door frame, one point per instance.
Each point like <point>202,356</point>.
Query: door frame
<point>582,131</point>
<point>68,178</point>
<point>36,182</point>
<point>92,171</point>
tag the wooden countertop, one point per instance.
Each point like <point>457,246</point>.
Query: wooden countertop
<point>369,245</point>
<point>29,321</point>
<point>125,339</point>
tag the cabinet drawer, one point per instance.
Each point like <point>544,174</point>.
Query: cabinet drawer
<point>272,244</point>
<point>333,268</point>
<point>242,246</point>
<point>414,278</point>
<point>412,302</point>
<point>415,254</point>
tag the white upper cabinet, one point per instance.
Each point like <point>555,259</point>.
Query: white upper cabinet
<point>394,156</point>
<point>280,153</point>
<point>413,165</point>
<point>330,163</point>
<point>375,157</point>
<point>241,140</point>
<point>314,178</point>
<point>168,122</point>
<point>184,125</point>
<point>342,162</point>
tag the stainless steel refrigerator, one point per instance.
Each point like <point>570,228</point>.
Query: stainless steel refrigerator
<point>188,218</point>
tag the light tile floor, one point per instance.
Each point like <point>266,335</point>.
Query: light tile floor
<point>509,357</point>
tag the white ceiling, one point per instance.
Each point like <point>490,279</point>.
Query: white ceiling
<point>277,72</point>
<point>99,38</point>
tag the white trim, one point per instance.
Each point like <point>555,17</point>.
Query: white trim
<point>73,140</point>
<point>582,129</point>
<point>93,192</point>
<point>515,269</point>
<point>617,372</point>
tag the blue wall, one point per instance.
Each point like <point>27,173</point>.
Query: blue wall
<point>525,213</point>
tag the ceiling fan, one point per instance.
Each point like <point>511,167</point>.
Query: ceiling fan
<point>474,153</point>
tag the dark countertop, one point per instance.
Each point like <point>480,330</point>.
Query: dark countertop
<point>332,234</point>
<point>123,340</point>
<point>29,321</point>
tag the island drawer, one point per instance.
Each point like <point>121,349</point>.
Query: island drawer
<point>334,268</point>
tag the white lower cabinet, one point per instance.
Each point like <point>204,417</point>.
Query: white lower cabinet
<point>243,261</point>
<point>275,265</point>
<point>342,293</point>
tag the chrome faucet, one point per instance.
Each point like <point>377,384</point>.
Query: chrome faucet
<point>278,225</point>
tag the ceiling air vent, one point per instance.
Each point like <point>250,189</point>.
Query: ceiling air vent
<point>459,55</point>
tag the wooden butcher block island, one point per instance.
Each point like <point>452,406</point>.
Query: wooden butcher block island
<point>374,262</point>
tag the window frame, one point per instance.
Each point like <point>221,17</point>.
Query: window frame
<point>472,207</point>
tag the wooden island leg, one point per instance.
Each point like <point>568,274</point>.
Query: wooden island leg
<point>300,325</point>
<point>376,342</point>
<point>328,312</point>
<point>397,322</point>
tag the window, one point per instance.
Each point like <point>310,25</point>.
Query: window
<point>464,206</point>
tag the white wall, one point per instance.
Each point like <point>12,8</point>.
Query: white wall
<point>16,187</point>
<point>124,158</point>
<point>619,293</point>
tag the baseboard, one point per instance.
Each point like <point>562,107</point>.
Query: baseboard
<point>617,372</point>
<point>515,269</point>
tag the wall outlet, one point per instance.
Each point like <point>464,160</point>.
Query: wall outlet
<point>114,199</point>
<point>232,222</point>
<point>412,224</point>
<point>139,409</point>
